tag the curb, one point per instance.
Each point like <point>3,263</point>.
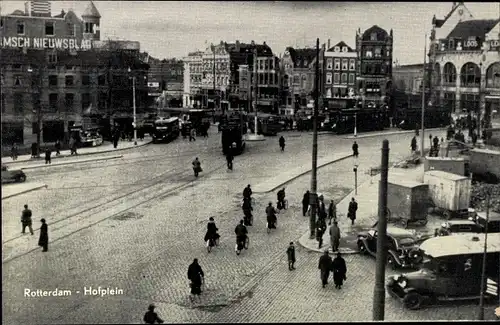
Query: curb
<point>72,162</point>
<point>326,247</point>
<point>389,133</point>
<point>304,173</point>
<point>79,154</point>
<point>25,191</point>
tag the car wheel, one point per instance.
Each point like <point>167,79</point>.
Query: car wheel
<point>391,262</point>
<point>21,178</point>
<point>361,247</point>
<point>412,300</point>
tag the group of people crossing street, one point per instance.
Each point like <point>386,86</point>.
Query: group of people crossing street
<point>27,222</point>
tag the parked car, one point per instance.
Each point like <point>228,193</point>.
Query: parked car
<point>12,176</point>
<point>457,226</point>
<point>493,221</point>
<point>402,246</point>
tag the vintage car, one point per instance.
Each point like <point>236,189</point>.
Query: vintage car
<point>10,176</point>
<point>402,247</point>
<point>452,270</point>
<point>493,221</point>
<point>457,226</point>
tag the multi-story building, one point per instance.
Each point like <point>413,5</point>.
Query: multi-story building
<point>193,75</point>
<point>374,70</point>
<point>465,62</point>
<point>298,78</point>
<point>407,86</point>
<point>56,71</point>
<point>268,84</point>
<point>216,76</point>
<point>165,82</point>
<point>339,76</point>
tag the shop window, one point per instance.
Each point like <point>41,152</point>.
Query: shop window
<point>329,64</point>
<point>337,64</point>
<point>18,103</point>
<point>344,78</point>
<point>449,74</point>
<point>69,81</point>
<point>53,101</point>
<point>336,78</point>
<point>53,80</point>
<point>344,64</point>
<point>20,28</point>
<point>470,75</point>
<point>329,78</point>
<point>352,64</point>
<point>69,101</point>
<point>49,28</point>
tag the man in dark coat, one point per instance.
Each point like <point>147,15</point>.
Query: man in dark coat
<point>48,153</point>
<point>351,212</point>
<point>334,237</point>
<point>413,144</point>
<point>26,219</point>
<point>305,202</point>
<point>14,152</point>
<point>281,199</point>
<point>229,158</point>
<point>44,236</point>
<point>247,192</point>
<point>339,269</point>
<point>355,152</point>
<point>211,232</point>
<point>320,231</point>
<point>282,143</point>
<point>332,212</point>
<point>290,252</point>
<point>325,264</point>
<point>321,208</point>
<point>271,216</point>
<point>195,275</point>
<point>150,317</point>
<point>247,212</point>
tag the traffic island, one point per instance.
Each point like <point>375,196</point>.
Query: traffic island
<point>70,162</point>
<point>12,190</point>
<point>254,137</point>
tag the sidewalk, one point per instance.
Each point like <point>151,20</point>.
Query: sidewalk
<point>104,148</point>
<point>41,164</point>
<point>367,213</point>
<point>11,190</point>
<point>390,132</point>
<point>284,178</point>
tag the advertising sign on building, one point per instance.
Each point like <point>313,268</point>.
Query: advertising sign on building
<point>472,43</point>
<point>46,43</point>
<point>153,84</point>
<point>494,45</point>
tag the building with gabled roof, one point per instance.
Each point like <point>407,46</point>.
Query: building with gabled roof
<point>464,56</point>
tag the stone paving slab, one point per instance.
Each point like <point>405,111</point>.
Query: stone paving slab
<point>104,148</point>
<point>11,190</point>
<point>367,214</point>
<point>69,162</point>
<point>283,178</point>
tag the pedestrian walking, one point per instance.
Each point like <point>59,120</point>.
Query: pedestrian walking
<point>290,252</point>
<point>339,270</point>
<point>150,317</point>
<point>282,143</point>
<point>351,212</point>
<point>34,150</point>
<point>192,134</point>
<point>229,158</point>
<point>72,145</point>
<point>48,153</point>
<point>334,237</point>
<point>332,212</point>
<point>14,152</point>
<point>26,220</point>
<point>305,203</point>
<point>355,152</point>
<point>320,231</point>
<point>195,275</point>
<point>325,265</point>
<point>413,144</point>
<point>43,241</point>
<point>322,208</point>
<point>57,146</point>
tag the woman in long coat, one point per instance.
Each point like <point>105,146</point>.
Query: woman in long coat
<point>195,274</point>
<point>43,241</point>
<point>339,269</point>
<point>212,231</point>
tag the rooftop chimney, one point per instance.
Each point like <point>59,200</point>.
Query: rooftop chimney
<point>328,43</point>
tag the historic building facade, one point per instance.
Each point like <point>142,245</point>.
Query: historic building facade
<point>465,63</point>
<point>215,76</point>
<point>165,82</point>
<point>339,76</point>
<point>374,70</point>
<point>56,71</point>
<point>193,74</point>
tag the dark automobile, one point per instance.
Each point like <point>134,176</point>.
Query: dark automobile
<point>493,221</point>
<point>402,247</point>
<point>9,176</point>
<point>457,226</point>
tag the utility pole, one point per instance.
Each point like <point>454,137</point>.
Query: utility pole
<point>38,108</point>
<point>256,85</point>
<point>314,185</point>
<point>379,292</point>
<point>485,255</point>
<point>213,73</point>
<point>422,140</point>
<point>134,107</point>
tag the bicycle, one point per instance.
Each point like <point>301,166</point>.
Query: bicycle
<point>212,243</point>
<point>242,245</point>
<point>283,206</point>
<point>273,226</point>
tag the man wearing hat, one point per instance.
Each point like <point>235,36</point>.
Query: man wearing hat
<point>325,265</point>
<point>44,236</point>
<point>151,317</point>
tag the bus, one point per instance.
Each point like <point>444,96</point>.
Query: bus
<point>165,129</point>
<point>267,124</point>
<point>233,130</point>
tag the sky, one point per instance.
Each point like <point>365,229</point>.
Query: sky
<point>168,29</point>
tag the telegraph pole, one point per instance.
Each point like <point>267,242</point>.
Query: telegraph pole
<point>213,73</point>
<point>313,195</point>
<point>422,140</point>
<point>379,292</point>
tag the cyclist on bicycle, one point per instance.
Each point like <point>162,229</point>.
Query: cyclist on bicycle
<point>241,236</point>
<point>247,211</point>
<point>281,199</point>
<point>271,216</point>
<point>211,236</point>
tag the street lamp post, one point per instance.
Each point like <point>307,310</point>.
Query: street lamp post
<point>134,112</point>
<point>355,125</point>
<point>314,185</point>
<point>355,170</point>
<point>422,140</point>
<point>38,111</point>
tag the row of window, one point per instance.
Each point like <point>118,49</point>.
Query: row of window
<point>375,53</point>
<point>342,92</point>
<point>338,78</point>
<point>346,63</point>
<point>265,64</point>
<point>50,28</point>
<point>210,65</point>
<point>219,80</point>
<point>267,79</point>
<point>70,80</point>
<point>470,75</point>
<point>375,68</point>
